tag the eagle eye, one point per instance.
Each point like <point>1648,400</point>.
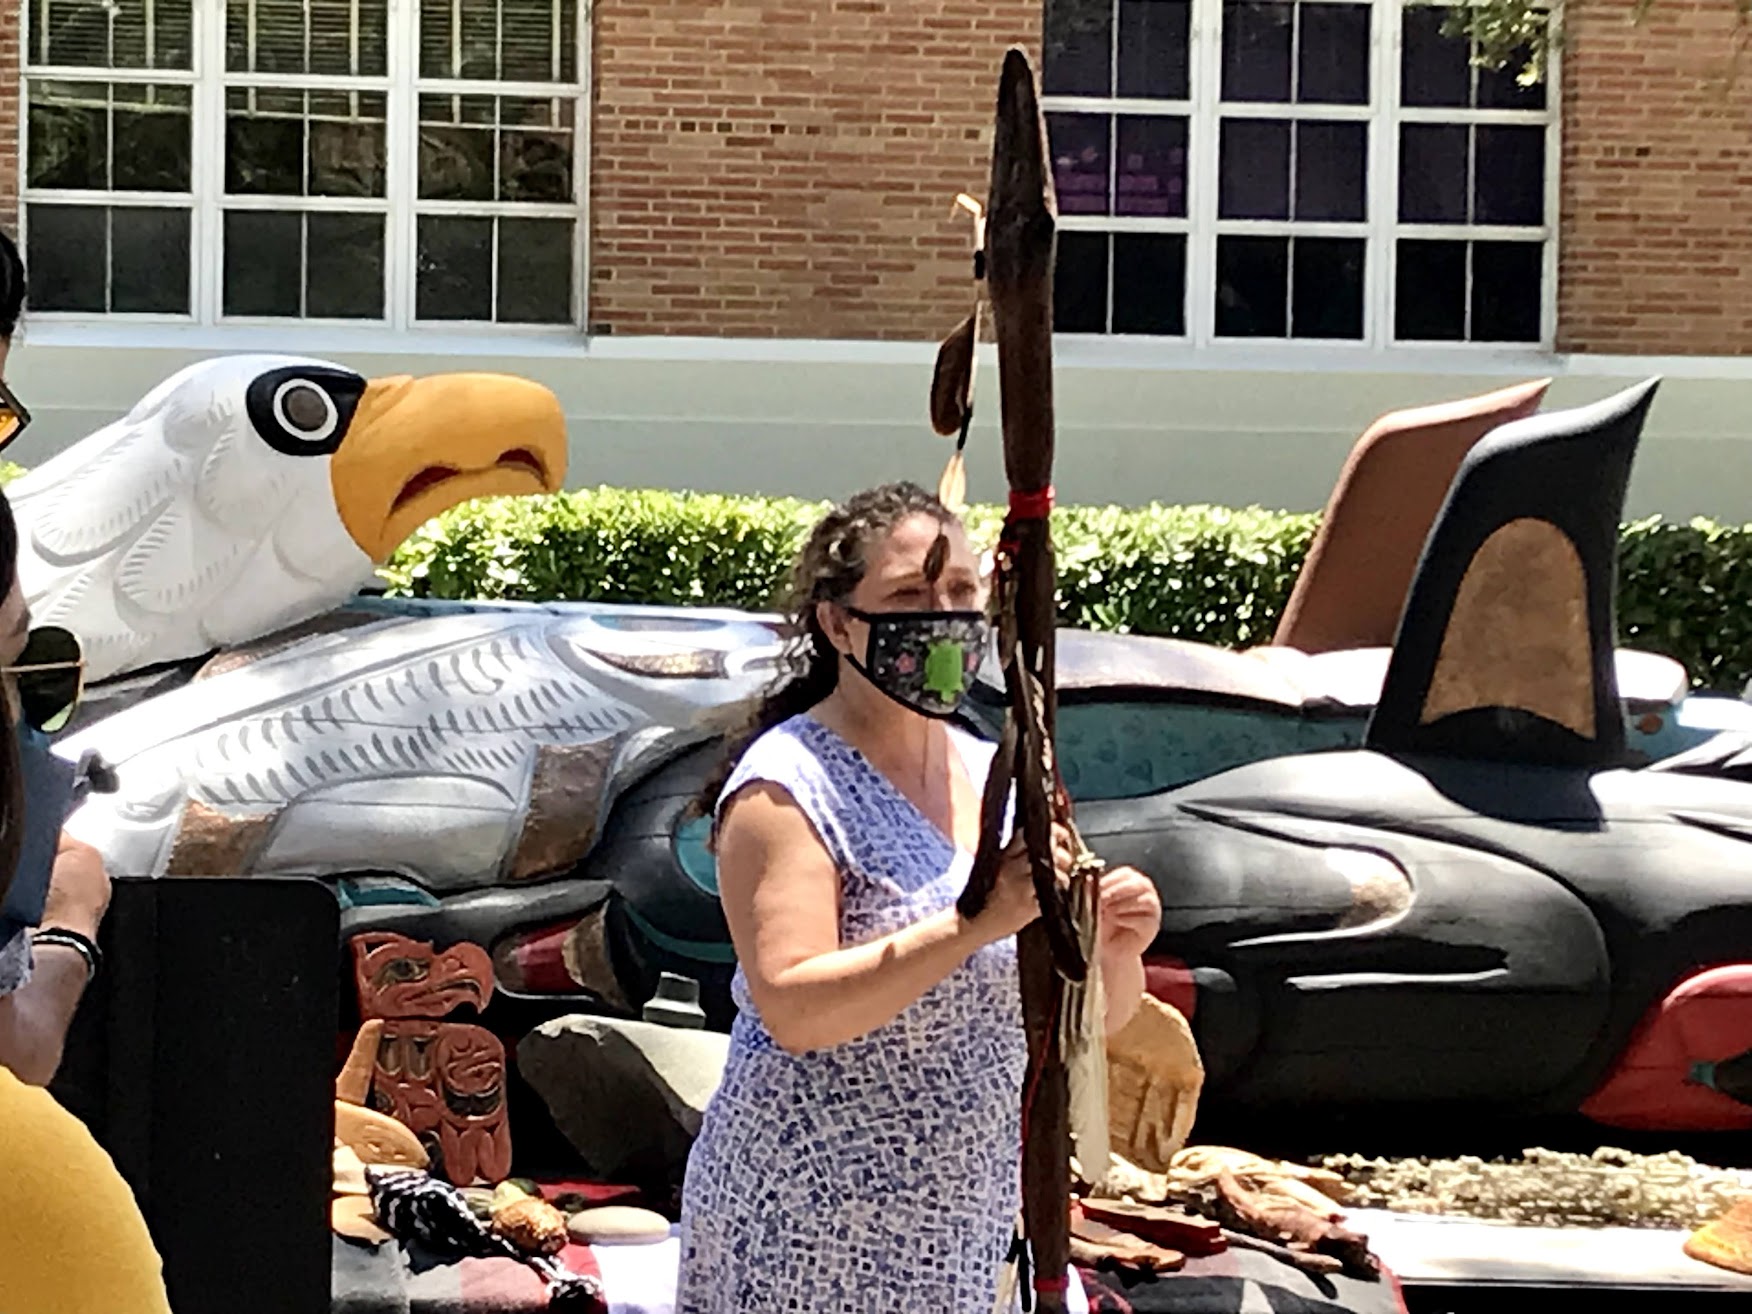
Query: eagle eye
<point>304,410</point>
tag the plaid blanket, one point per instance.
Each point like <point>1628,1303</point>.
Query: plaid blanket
<point>641,1280</point>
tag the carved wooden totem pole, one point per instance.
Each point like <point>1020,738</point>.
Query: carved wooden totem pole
<point>444,1080</point>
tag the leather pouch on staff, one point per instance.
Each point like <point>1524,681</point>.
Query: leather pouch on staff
<point>1154,1077</point>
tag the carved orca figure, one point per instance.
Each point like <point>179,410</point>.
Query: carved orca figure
<point>1484,906</point>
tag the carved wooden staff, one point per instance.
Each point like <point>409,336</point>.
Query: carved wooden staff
<point>1055,952</point>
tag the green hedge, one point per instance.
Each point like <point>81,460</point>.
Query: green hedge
<point>1205,573</point>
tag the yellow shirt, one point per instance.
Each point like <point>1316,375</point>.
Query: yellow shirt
<point>72,1239</point>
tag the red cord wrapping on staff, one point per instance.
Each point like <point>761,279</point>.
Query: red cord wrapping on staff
<point>1036,505</point>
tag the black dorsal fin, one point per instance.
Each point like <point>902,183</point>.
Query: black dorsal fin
<point>1505,648</point>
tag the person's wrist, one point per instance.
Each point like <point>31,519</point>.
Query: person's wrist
<point>977,930</point>
<point>66,939</point>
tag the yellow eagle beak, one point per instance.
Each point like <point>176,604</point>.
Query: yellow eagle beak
<point>417,447</point>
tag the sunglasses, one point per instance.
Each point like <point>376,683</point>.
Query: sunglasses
<point>14,418</point>
<point>49,676</point>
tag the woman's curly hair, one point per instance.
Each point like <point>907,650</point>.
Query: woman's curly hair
<point>829,567</point>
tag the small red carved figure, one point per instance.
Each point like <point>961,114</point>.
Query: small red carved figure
<point>444,1080</point>
<point>399,977</point>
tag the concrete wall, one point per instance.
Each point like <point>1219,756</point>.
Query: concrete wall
<point>823,418</point>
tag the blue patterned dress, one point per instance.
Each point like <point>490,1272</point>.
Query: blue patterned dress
<point>880,1175</point>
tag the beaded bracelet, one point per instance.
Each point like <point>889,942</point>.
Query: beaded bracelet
<point>85,947</point>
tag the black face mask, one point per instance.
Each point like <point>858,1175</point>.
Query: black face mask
<point>924,660</point>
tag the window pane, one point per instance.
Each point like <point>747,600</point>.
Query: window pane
<point>117,34</point>
<point>1327,298</point>
<point>1432,173</point>
<point>1152,166</point>
<point>152,138</point>
<point>458,39</point>
<point>264,142</point>
<point>537,40</point>
<point>1429,296</point>
<point>1253,169</point>
<point>510,40</point>
<point>1077,48</point>
<point>1149,283</point>
<point>1510,175</point>
<point>348,138</point>
<point>264,260</point>
<point>1433,69</point>
<point>348,37</point>
<point>69,136</point>
<point>1332,161</point>
<point>266,36</point>
<point>65,251</point>
<point>535,150</point>
<point>345,256</point>
<point>1079,284</point>
<point>455,279</point>
<point>1332,64</point>
<point>149,253</point>
<point>1507,291</point>
<point>1079,161</point>
<point>72,123</point>
<point>535,271</point>
<point>329,37</point>
<point>77,36</point>
<point>1153,42</point>
<point>1256,50</point>
<point>1252,291</point>
<point>456,147</point>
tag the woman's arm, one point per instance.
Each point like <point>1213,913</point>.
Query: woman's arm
<point>781,891</point>
<point>34,1018</point>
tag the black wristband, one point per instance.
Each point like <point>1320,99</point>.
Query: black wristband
<point>86,948</point>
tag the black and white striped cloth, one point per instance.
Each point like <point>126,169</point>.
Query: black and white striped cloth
<point>417,1208</point>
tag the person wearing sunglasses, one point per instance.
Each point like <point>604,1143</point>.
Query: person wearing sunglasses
<point>44,968</point>
<point>72,1237</point>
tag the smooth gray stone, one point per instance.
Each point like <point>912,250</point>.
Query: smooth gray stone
<point>629,1096</point>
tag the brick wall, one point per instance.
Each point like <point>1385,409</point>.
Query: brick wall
<point>11,21</point>
<point>1656,239</point>
<point>787,168</point>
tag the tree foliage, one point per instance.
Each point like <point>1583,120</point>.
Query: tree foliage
<point>1508,33</point>
<point>1520,33</point>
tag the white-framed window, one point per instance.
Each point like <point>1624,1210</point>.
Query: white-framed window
<point>1295,170</point>
<point>391,162</point>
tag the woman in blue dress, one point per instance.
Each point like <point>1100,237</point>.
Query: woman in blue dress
<point>863,1151</point>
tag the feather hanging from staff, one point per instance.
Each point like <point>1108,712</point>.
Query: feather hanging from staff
<point>952,378</point>
<point>1083,1028</point>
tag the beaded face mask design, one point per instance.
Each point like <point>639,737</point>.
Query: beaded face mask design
<point>924,660</point>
